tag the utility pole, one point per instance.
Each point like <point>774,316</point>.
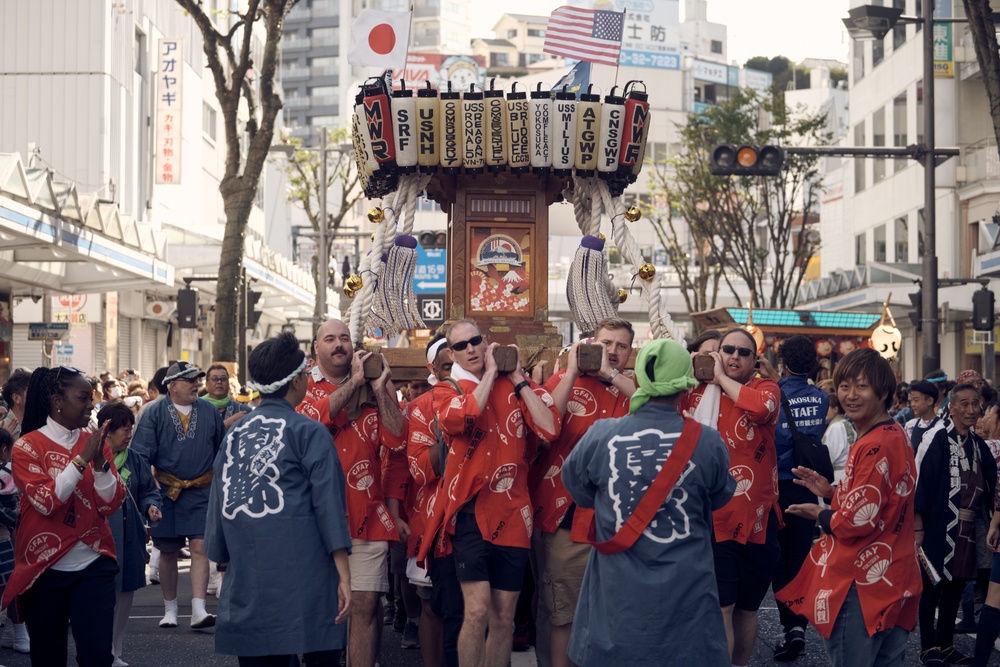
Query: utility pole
<point>931,344</point>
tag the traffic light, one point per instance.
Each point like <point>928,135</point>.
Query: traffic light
<point>982,310</point>
<point>916,315</point>
<point>431,240</point>
<point>253,315</point>
<point>187,308</point>
<point>729,160</point>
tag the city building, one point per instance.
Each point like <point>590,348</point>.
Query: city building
<point>118,133</point>
<point>872,212</point>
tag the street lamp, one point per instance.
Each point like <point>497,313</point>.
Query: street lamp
<point>871,22</point>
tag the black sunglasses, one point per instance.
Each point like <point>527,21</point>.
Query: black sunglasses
<point>729,349</point>
<point>462,344</point>
<point>68,369</point>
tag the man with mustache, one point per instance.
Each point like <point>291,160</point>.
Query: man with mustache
<point>362,418</point>
<point>744,409</point>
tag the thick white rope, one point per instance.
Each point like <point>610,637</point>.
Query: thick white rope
<point>659,320</point>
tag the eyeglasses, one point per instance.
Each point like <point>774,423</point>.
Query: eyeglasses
<point>462,344</point>
<point>729,349</point>
<point>218,378</point>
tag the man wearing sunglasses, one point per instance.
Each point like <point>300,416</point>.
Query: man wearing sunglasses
<point>561,545</point>
<point>488,518</point>
<point>746,542</point>
<point>363,418</point>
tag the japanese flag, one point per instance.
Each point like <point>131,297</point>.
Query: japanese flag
<point>380,39</point>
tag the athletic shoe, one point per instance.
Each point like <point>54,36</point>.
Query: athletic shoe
<point>410,638</point>
<point>966,627</point>
<point>791,646</point>
<point>388,613</point>
<point>399,620</point>
<point>953,656</point>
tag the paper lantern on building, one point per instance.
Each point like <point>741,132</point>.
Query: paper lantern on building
<point>588,127</point>
<point>451,131</point>
<point>518,152</point>
<point>845,347</point>
<point>473,116</point>
<point>609,142</point>
<point>428,129</point>
<point>886,339</point>
<point>404,126</point>
<point>497,129</point>
<point>564,133</point>
<point>539,130</point>
<point>824,347</point>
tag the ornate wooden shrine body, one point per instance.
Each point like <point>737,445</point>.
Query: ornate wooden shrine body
<point>498,258</point>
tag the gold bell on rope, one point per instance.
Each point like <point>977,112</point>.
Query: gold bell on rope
<point>354,283</point>
<point>647,271</point>
<point>373,236</point>
<point>349,292</point>
<point>632,213</point>
<point>376,215</point>
<point>601,236</point>
<point>622,296</point>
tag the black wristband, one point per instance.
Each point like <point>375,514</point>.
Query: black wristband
<point>519,386</point>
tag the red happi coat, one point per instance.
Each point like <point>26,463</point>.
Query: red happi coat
<point>358,444</point>
<point>872,545</point>
<point>424,482</point>
<point>747,427</point>
<point>48,527</point>
<point>488,459</point>
<point>590,399</point>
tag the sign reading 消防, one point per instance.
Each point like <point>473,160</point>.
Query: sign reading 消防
<point>169,84</point>
<point>652,31</point>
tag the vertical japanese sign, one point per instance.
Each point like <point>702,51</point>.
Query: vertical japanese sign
<point>944,66</point>
<point>170,57</point>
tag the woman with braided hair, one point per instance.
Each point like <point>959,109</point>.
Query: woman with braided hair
<point>65,563</point>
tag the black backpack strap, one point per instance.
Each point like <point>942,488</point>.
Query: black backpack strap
<point>788,412</point>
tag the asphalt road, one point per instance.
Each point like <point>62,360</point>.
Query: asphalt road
<point>147,645</point>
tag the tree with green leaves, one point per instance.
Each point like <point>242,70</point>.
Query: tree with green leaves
<point>302,170</point>
<point>741,230</point>
<point>250,104</point>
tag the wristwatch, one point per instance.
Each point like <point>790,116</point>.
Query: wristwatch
<point>79,464</point>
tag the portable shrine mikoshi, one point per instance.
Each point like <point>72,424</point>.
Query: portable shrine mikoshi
<point>495,161</point>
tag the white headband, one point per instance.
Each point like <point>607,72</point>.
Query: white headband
<point>432,351</point>
<point>275,386</point>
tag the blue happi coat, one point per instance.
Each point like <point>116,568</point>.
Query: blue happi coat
<point>160,438</point>
<point>656,603</point>
<point>277,513</point>
<point>128,524</point>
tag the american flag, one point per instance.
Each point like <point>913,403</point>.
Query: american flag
<point>593,35</point>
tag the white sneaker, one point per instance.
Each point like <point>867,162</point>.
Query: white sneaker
<point>21,642</point>
<point>119,663</point>
<point>154,575</point>
<point>169,619</point>
<point>214,583</point>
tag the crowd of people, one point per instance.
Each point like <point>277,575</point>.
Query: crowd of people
<point>639,516</point>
